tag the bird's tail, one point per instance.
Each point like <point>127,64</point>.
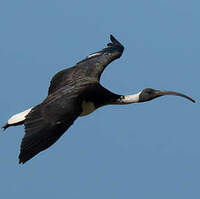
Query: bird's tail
<point>17,119</point>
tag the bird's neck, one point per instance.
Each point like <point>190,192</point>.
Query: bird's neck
<point>127,99</point>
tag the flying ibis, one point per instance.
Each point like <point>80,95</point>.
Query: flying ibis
<point>74,92</point>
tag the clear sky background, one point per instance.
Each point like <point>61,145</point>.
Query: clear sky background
<point>148,150</point>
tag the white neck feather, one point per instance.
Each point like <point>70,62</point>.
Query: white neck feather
<point>128,99</point>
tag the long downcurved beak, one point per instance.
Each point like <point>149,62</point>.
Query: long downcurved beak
<point>161,93</point>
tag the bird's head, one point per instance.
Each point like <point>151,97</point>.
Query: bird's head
<point>148,94</point>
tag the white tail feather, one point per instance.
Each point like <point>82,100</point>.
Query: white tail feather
<point>19,117</point>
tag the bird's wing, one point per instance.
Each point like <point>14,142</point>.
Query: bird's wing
<point>46,123</point>
<point>62,78</point>
<point>89,69</point>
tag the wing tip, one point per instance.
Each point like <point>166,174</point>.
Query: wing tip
<point>112,38</point>
<point>23,158</point>
<point>114,42</point>
<point>21,162</point>
<point>113,46</point>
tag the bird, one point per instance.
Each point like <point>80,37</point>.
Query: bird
<point>74,92</point>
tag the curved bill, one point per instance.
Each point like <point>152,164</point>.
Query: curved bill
<point>160,93</point>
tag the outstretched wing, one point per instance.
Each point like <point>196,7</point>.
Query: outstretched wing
<point>90,68</point>
<point>47,122</point>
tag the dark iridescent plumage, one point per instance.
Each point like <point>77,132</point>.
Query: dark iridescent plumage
<point>74,92</point>
<point>68,89</point>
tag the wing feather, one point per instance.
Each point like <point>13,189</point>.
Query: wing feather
<point>90,68</point>
<point>44,126</point>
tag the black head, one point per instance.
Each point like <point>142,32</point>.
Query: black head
<point>148,94</point>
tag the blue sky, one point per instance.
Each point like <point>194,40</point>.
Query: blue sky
<point>148,150</point>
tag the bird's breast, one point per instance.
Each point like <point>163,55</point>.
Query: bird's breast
<point>87,108</point>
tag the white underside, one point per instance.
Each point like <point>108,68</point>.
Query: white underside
<point>19,117</point>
